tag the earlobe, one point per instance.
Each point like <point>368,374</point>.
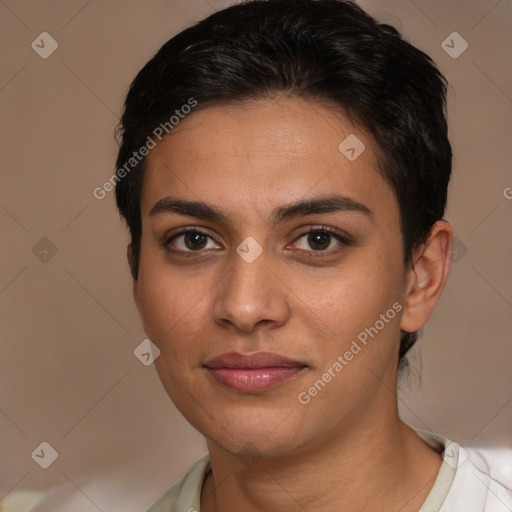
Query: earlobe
<point>427,277</point>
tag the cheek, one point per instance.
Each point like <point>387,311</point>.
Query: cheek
<point>352,302</point>
<point>362,311</point>
<point>172,308</point>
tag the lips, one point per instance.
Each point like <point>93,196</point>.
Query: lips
<point>257,360</point>
<point>248,373</point>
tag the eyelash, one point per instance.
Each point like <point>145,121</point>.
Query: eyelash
<point>344,240</point>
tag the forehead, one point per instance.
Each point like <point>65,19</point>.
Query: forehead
<point>263,153</point>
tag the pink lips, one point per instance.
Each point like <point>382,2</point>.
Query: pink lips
<point>252,373</point>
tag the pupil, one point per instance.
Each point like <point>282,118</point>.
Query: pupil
<point>319,239</point>
<point>194,239</point>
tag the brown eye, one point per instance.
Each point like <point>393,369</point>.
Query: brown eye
<point>320,239</point>
<point>195,241</point>
<point>191,241</point>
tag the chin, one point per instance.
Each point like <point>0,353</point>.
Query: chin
<point>254,432</point>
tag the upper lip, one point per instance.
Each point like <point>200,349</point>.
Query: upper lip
<point>256,360</point>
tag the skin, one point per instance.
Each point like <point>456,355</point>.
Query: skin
<point>347,449</point>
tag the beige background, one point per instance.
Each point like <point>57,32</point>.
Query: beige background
<point>68,375</point>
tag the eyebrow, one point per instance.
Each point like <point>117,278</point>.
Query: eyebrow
<point>301,208</point>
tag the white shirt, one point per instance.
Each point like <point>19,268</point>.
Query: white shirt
<point>467,482</point>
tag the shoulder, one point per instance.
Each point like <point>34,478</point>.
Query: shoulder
<point>470,479</point>
<point>482,481</point>
<point>185,494</point>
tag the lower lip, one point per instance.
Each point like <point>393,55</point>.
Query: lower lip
<point>250,380</point>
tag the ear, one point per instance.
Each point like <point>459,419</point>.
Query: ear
<point>427,277</point>
<point>134,269</point>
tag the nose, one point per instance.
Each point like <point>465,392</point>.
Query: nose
<point>251,294</point>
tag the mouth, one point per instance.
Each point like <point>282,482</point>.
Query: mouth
<point>252,373</point>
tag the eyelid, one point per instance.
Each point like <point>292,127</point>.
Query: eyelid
<point>339,233</point>
<point>343,237</point>
<point>189,229</point>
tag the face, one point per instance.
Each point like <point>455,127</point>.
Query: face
<point>271,275</point>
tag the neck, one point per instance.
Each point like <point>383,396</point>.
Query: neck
<point>385,466</point>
